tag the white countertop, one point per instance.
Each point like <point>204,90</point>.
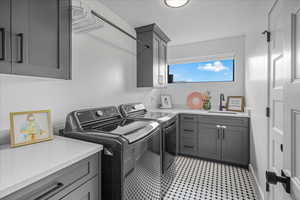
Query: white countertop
<point>200,112</point>
<point>22,166</point>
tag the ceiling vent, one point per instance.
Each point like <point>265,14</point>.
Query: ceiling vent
<point>82,18</point>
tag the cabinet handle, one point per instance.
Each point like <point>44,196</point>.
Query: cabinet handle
<point>21,35</point>
<point>188,118</point>
<point>218,131</point>
<point>188,130</point>
<point>188,146</point>
<point>2,30</point>
<point>51,190</point>
<point>223,131</point>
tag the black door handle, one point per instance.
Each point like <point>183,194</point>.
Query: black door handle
<point>2,30</point>
<point>50,191</point>
<point>21,35</point>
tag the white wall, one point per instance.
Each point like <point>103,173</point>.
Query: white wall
<point>104,73</point>
<point>201,50</point>
<point>257,99</point>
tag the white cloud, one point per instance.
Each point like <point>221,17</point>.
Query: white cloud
<point>177,75</point>
<point>216,67</point>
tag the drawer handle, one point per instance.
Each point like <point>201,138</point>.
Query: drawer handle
<point>188,118</point>
<point>188,146</point>
<point>51,190</point>
<point>188,130</point>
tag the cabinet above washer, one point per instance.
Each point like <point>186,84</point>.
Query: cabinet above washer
<point>151,56</point>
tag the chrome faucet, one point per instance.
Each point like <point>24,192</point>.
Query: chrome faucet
<point>222,98</point>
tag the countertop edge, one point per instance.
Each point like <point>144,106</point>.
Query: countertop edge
<point>200,112</point>
<point>18,186</point>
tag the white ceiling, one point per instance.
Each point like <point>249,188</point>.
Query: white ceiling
<point>199,21</point>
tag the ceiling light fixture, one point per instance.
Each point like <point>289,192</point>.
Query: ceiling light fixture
<point>176,3</point>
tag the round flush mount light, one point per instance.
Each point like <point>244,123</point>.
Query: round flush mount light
<point>176,3</point>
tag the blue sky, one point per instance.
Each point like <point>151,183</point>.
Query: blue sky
<point>217,70</point>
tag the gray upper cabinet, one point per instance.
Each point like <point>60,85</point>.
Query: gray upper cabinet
<point>5,54</point>
<point>209,143</point>
<point>235,145</point>
<point>40,35</point>
<point>151,56</point>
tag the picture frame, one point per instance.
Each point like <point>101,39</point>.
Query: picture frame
<point>30,127</point>
<point>235,103</point>
<point>166,101</point>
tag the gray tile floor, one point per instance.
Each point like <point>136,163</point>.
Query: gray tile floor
<point>205,180</point>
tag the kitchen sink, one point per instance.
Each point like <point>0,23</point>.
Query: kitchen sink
<point>223,112</point>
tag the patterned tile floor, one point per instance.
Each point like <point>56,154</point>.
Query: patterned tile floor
<point>206,180</point>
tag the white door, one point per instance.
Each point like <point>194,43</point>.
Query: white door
<point>292,98</point>
<point>284,91</point>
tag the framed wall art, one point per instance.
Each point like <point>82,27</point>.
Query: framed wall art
<point>235,103</point>
<point>30,127</point>
<point>166,101</point>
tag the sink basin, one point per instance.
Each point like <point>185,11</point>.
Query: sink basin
<point>223,112</point>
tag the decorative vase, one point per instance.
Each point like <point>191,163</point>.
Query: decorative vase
<point>207,104</point>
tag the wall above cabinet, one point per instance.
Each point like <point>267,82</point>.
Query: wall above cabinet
<point>36,38</point>
<point>151,56</point>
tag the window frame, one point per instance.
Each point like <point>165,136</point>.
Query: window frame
<point>208,59</point>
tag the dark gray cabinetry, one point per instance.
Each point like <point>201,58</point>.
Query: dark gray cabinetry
<point>235,145</point>
<point>209,143</point>
<point>188,135</point>
<point>79,181</point>
<point>88,191</point>
<point>5,54</point>
<point>221,138</point>
<point>151,56</point>
<point>40,36</point>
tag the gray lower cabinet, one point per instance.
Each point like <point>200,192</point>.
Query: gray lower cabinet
<point>37,38</point>
<point>188,135</point>
<point>209,142</point>
<point>88,191</point>
<point>218,138</point>
<point>235,145</point>
<point>80,181</point>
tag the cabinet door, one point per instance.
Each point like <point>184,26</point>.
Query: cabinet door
<point>235,145</point>
<point>41,38</point>
<point>209,141</point>
<point>162,75</point>
<point>5,55</point>
<point>156,60</point>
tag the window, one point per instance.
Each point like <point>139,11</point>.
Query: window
<point>209,71</point>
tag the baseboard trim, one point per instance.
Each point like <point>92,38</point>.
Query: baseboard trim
<point>258,189</point>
